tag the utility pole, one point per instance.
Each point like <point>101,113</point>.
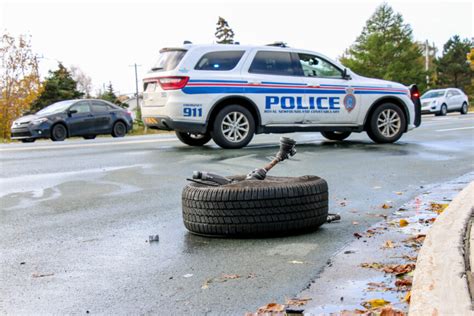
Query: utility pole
<point>427,52</point>
<point>138,111</point>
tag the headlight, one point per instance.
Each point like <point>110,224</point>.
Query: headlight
<point>39,121</point>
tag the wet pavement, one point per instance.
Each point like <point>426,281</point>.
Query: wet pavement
<point>76,218</point>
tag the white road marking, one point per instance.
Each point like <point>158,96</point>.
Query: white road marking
<point>454,129</point>
<point>159,140</point>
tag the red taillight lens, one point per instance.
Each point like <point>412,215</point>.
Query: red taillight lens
<point>414,92</point>
<point>173,83</point>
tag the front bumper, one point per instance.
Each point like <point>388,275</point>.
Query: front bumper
<point>27,132</point>
<point>167,124</point>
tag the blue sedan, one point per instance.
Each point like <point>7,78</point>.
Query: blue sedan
<point>83,117</point>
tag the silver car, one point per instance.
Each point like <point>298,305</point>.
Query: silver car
<point>442,101</point>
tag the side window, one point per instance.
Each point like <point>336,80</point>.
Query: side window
<point>219,61</point>
<point>456,93</point>
<point>274,63</point>
<point>314,66</point>
<point>98,106</point>
<point>81,107</point>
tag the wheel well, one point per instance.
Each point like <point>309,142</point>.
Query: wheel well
<point>248,104</point>
<point>63,124</point>
<point>393,100</point>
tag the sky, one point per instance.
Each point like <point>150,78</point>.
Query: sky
<point>105,38</point>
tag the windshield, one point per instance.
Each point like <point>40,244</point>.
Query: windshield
<point>56,107</point>
<point>168,60</point>
<point>433,94</point>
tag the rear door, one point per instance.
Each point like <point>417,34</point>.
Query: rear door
<point>330,98</point>
<point>80,122</point>
<point>275,85</point>
<point>102,118</point>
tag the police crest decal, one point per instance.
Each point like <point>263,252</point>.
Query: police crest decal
<point>349,100</point>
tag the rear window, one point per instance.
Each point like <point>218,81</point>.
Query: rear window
<point>168,60</point>
<point>219,61</point>
<point>273,63</point>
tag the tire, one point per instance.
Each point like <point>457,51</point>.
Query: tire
<point>234,137</point>
<point>443,111</point>
<point>28,140</point>
<point>275,206</point>
<point>397,121</point>
<point>119,129</point>
<point>90,136</point>
<point>58,133</point>
<point>464,108</point>
<point>193,139</point>
<point>336,135</point>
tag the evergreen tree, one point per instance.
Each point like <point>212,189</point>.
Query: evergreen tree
<point>453,68</point>
<point>58,86</point>
<point>224,34</point>
<point>109,95</point>
<point>385,49</point>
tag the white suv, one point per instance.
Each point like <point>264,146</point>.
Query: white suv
<point>442,101</point>
<point>230,92</point>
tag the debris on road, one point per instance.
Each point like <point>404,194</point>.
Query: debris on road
<point>153,238</point>
<point>41,275</point>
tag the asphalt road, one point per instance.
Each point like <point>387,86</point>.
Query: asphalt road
<point>76,216</point>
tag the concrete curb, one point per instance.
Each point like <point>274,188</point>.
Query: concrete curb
<point>440,284</point>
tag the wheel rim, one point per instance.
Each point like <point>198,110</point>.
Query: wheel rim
<point>443,110</point>
<point>235,127</point>
<point>389,123</point>
<point>119,129</point>
<point>464,108</point>
<point>59,132</point>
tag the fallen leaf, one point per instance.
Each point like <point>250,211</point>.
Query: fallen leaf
<point>352,313</point>
<point>373,265</point>
<point>407,297</point>
<point>386,206</point>
<point>355,223</point>
<point>271,307</point>
<point>251,276</point>
<point>398,269</point>
<point>398,193</point>
<point>357,235</point>
<point>390,311</point>
<point>403,222</point>
<point>296,262</point>
<point>388,244</point>
<point>438,207</point>
<point>374,303</point>
<point>376,284</point>
<point>230,276</point>
<point>298,301</point>
<point>206,284</point>
<point>403,282</point>
<point>41,275</point>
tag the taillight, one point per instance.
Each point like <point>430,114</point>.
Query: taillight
<point>414,92</point>
<point>172,83</point>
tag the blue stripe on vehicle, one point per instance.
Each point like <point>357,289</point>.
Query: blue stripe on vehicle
<point>223,81</point>
<point>256,90</point>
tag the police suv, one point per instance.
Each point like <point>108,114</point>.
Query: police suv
<point>231,92</point>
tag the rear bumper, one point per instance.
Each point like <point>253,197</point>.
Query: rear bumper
<point>167,124</point>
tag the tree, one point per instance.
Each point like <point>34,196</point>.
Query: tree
<point>224,34</point>
<point>58,86</point>
<point>109,95</point>
<point>20,81</point>
<point>385,49</point>
<point>84,82</point>
<point>453,68</point>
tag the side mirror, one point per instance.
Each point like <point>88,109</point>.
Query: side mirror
<point>345,75</point>
<point>71,112</point>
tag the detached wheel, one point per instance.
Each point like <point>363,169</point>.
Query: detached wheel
<point>336,135</point>
<point>193,139</point>
<point>386,124</point>
<point>119,129</point>
<point>233,127</point>
<point>464,108</point>
<point>253,208</point>
<point>58,133</point>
